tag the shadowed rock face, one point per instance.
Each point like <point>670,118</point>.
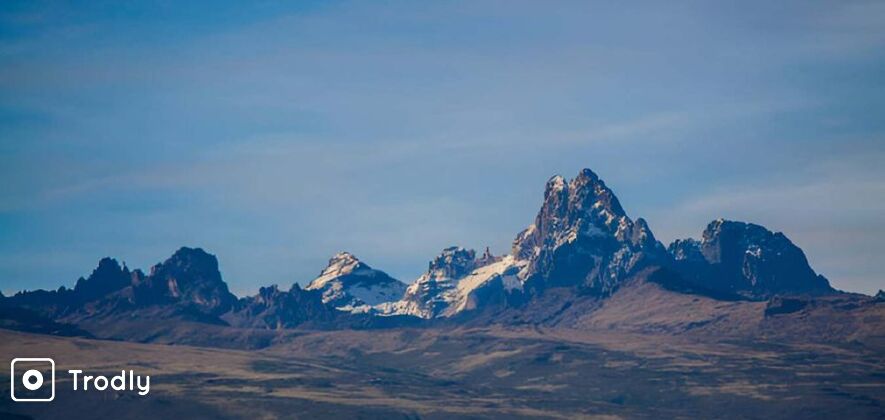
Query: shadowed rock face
<point>190,276</point>
<point>452,263</point>
<point>187,286</point>
<point>687,250</point>
<point>107,278</point>
<point>582,237</point>
<point>272,308</point>
<point>747,259</point>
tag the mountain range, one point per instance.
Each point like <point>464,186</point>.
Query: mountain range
<point>582,262</point>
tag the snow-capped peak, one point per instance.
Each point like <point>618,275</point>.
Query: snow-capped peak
<point>342,263</point>
<point>349,284</point>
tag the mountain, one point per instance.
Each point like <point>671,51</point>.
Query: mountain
<point>583,262</point>
<point>582,238</point>
<point>748,260</point>
<point>457,281</point>
<point>115,302</point>
<point>108,278</point>
<point>348,284</point>
<point>189,277</point>
<point>588,316</point>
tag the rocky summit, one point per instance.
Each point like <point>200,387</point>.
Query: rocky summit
<point>582,237</point>
<point>190,276</point>
<point>748,260</point>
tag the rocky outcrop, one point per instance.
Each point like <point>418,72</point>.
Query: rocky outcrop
<point>457,281</point>
<point>109,277</point>
<point>748,260</point>
<point>272,308</point>
<point>433,292</point>
<point>191,277</point>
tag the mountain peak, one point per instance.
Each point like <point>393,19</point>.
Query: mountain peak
<point>582,221</point>
<point>590,192</point>
<point>452,263</point>
<point>588,174</point>
<point>193,254</point>
<point>189,259</point>
<point>341,264</point>
<point>747,259</point>
<point>107,278</point>
<point>347,283</point>
<point>343,257</point>
<point>555,183</point>
<point>108,263</point>
<point>190,275</point>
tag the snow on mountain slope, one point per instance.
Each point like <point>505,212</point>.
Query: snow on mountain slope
<point>454,283</point>
<point>348,284</point>
<point>507,269</point>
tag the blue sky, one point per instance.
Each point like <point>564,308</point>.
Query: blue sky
<point>274,136</point>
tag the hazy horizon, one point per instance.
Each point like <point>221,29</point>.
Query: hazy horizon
<point>275,136</point>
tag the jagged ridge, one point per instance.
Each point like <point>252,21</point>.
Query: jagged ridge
<point>581,240</point>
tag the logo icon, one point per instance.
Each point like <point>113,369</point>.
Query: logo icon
<point>29,383</point>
